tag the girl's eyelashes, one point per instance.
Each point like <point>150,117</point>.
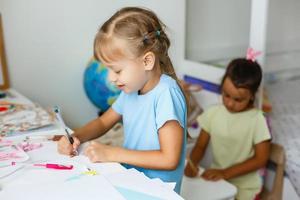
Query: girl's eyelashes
<point>115,71</point>
<point>235,99</point>
<point>225,94</point>
<point>238,100</point>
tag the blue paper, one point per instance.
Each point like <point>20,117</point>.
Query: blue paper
<point>134,195</point>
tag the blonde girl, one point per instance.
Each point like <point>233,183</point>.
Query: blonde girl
<point>134,47</point>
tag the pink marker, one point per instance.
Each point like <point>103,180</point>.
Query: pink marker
<point>55,166</point>
<point>51,166</point>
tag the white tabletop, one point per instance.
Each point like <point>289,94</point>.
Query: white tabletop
<point>112,181</point>
<point>28,177</point>
<point>23,178</point>
<point>198,188</point>
<point>15,97</point>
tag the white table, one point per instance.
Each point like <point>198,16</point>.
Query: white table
<point>33,182</point>
<point>15,97</point>
<point>198,188</point>
<point>111,182</point>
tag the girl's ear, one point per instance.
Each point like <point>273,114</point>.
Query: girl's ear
<point>149,60</point>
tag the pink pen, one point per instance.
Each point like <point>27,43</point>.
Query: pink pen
<point>48,165</point>
<point>55,166</point>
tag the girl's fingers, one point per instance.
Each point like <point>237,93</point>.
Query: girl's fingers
<point>212,176</point>
<point>216,177</point>
<point>207,175</point>
<point>86,151</point>
<point>89,152</point>
<point>64,146</point>
<point>76,143</point>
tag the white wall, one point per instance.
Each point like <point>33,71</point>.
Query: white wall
<point>283,31</point>
<point>48,44</point>
<point>217,29</point>
<point>220,29</point>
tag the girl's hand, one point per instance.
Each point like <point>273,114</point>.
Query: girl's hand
<point>65,147</point>
<point>214,174</point>
<point>98,152</point>
<point>190,171</point>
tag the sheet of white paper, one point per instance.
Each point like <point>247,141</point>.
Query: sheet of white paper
<point>89,187</point>
<point>207,190</point>
<point>170,185</point>
<point>48,154</point>
<point>43,183</point>
<point>103,168</point>
<point>137,181</point>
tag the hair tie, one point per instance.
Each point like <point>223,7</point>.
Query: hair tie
<point>157,33</point>
<point>252,54</point>
<point>145,38</point>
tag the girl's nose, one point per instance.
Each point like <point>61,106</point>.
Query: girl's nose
<point>230,104</point>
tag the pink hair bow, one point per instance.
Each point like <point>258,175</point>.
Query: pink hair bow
<point>252,54</point>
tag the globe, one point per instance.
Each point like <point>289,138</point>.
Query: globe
<point>97,87</point>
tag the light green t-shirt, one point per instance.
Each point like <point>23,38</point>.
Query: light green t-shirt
<point>233,137</point>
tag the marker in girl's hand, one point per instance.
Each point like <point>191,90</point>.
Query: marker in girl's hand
<point>63,125</point>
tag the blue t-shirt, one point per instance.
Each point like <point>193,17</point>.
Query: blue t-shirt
<point>142,117</point>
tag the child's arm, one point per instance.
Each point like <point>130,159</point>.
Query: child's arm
<point>92,130</point>
<point>256,162</point>
<point>196,155</point>
<point>166,158</point>
<point>98,126</point>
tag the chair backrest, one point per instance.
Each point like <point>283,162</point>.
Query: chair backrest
<point>277,154</point>
<point>277,157</point>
